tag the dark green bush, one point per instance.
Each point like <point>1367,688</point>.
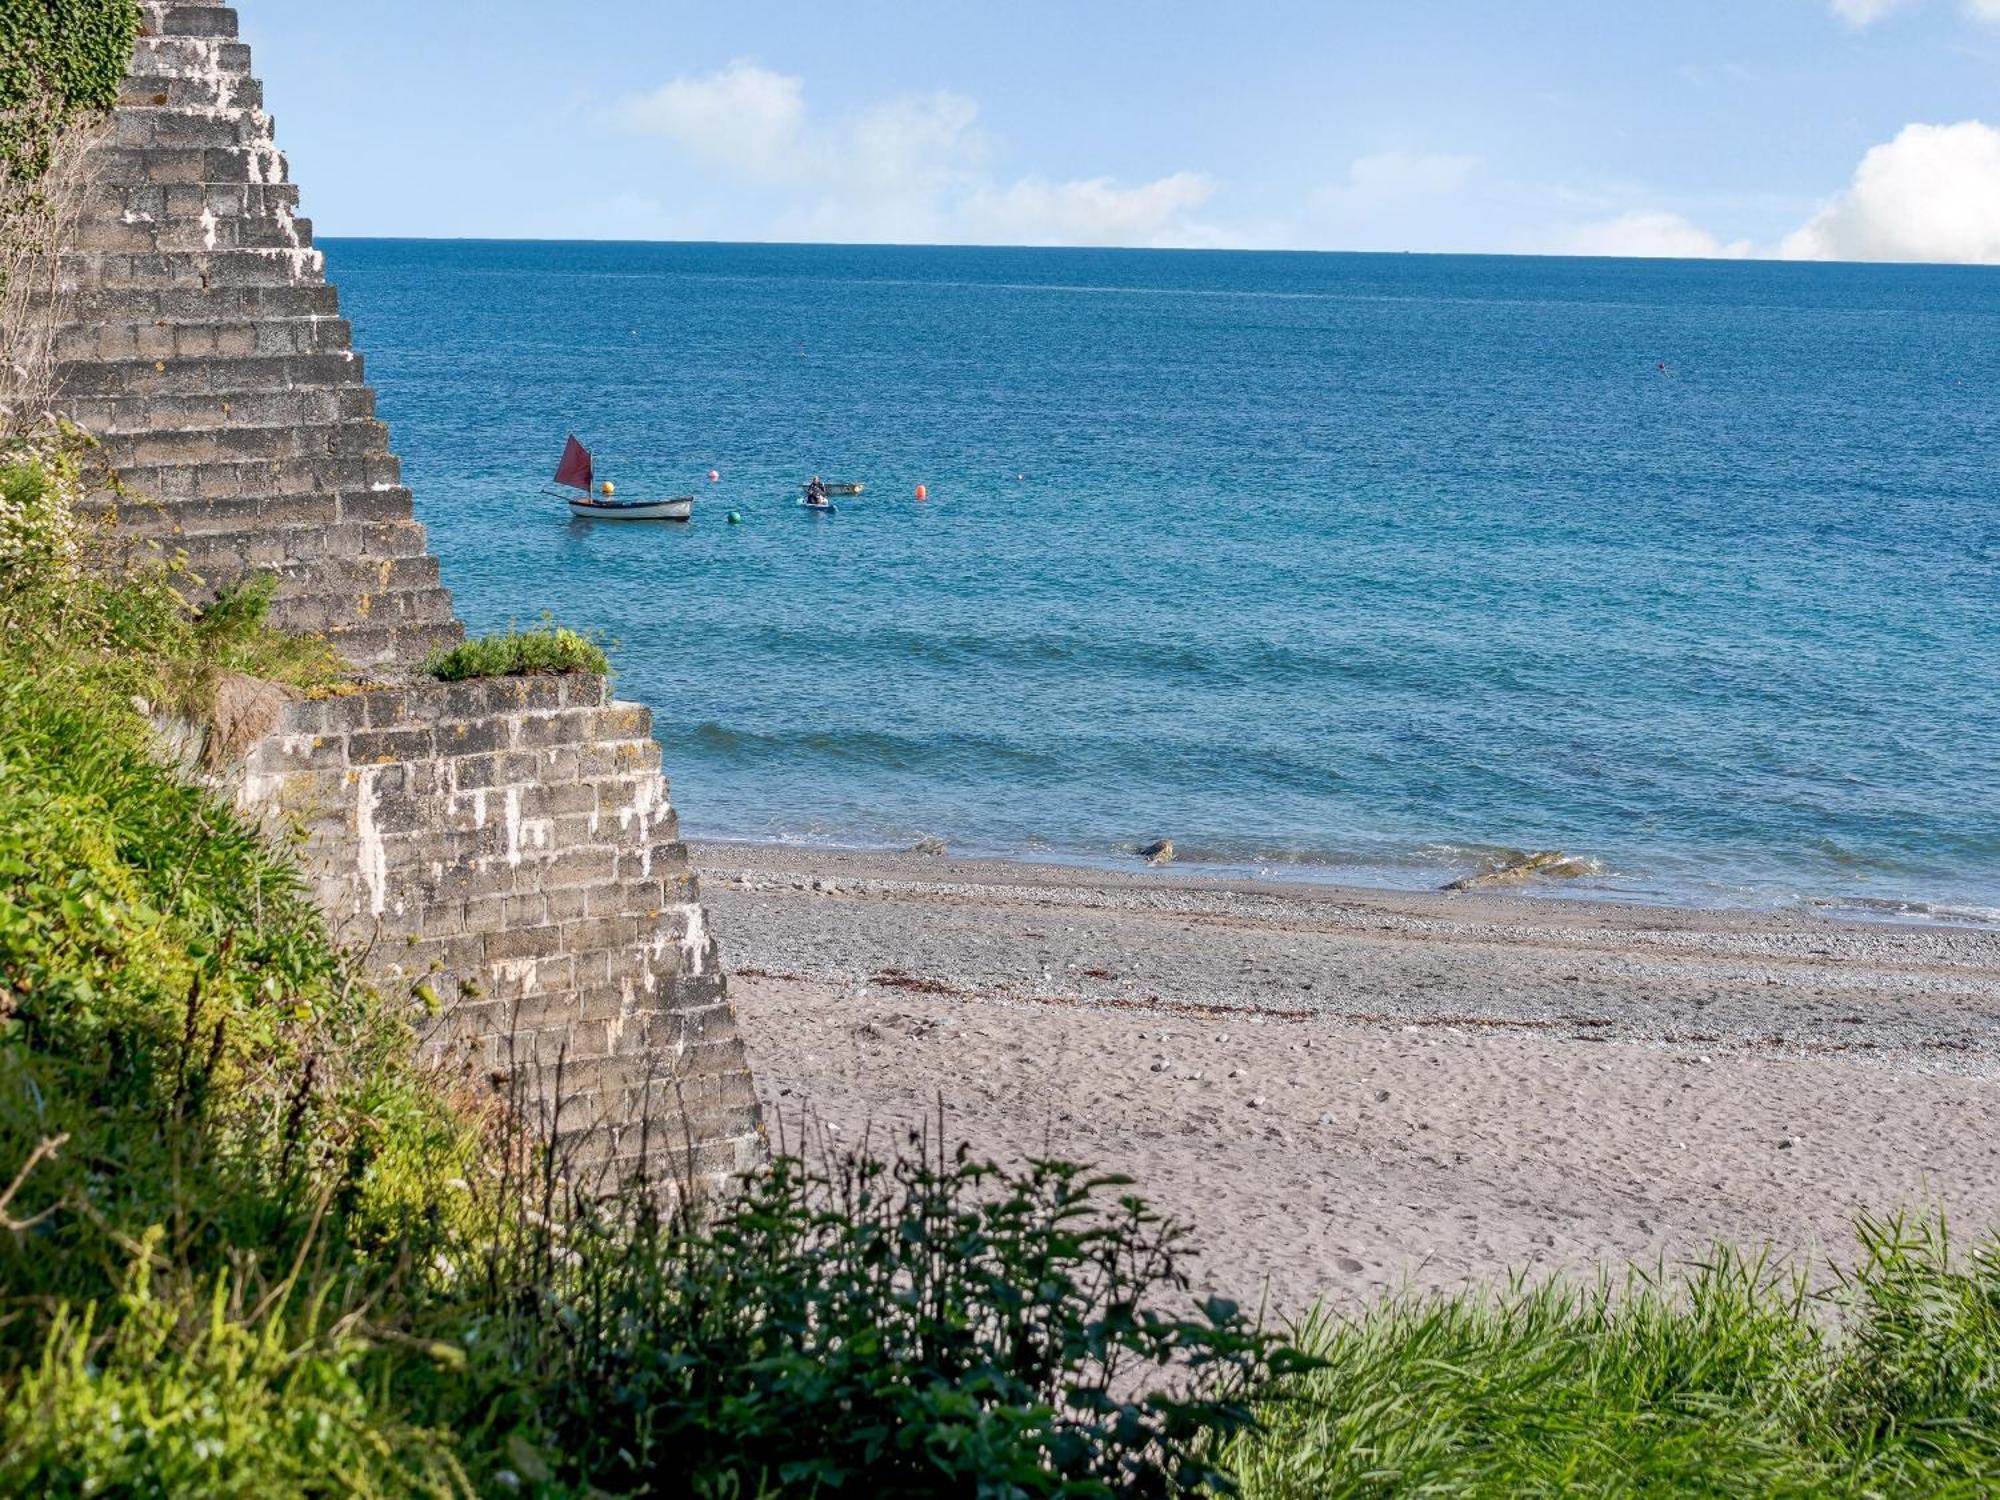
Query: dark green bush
<point>550,650</point>
<point>930,1325</point>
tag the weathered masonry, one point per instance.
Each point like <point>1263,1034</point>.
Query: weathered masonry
<point>510,842</point>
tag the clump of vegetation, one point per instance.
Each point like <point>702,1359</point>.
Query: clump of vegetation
<point>549,650</point>
<point>1735,1381</point>
<point>194,1396</point>
<point>930,1325</point>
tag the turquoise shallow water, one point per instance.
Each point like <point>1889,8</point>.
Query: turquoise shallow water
<point>1343,565</point>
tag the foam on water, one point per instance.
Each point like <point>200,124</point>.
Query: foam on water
<point>1319,564</point>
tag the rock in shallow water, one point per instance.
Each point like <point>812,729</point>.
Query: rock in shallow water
<point>1542,864</point>
<point>1159,852</point>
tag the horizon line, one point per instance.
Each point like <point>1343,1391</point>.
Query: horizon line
<point>1685,260</point>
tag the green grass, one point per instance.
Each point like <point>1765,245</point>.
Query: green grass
<point>227,1155</point>
<point>547,651</point>
<point>1734,1380</point>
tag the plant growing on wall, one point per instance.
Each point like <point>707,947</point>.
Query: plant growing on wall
<point>61,61</point>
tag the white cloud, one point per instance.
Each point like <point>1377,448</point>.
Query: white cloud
<point>912,168</point>
<point>744,118</point>
<point>1395,173</point>
<point>1931,194</point>
<point>1390,200</point>
<point>1863,13</point>
<point>1653,235</point>
<point>1092,212</point>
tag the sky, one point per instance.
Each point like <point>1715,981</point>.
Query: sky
<point>1826,129</point>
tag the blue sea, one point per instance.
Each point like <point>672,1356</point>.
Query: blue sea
<point>1344,566</point>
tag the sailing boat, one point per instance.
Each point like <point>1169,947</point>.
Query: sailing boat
<point>577,472</point>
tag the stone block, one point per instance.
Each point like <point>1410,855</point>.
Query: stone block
<point>474,737</point>
<point>541,730</point>
<point>585,690</point>
<point>381,746</point>
<point>522,942</point>
<point>588,866</point>
<point>622,721</point>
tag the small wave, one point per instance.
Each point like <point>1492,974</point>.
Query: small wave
<point>1889,908</point>
<point>1231,662</point>
<point>1253,854</point>
<point>877,749</point>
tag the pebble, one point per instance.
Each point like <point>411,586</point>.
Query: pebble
<point>1349,1264</point>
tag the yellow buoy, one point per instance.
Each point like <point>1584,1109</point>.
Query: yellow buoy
<point>606,489</point>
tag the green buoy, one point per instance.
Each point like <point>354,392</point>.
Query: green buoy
<point>735,518</point>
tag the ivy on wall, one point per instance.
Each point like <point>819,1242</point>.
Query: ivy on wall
<point>59,60</point>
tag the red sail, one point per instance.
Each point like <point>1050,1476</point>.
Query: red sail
<point>575,471</point>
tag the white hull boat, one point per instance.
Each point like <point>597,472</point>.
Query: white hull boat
<point>681,509</point>
<point>595,502</point>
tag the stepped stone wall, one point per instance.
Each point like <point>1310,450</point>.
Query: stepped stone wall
<point>509,842</point>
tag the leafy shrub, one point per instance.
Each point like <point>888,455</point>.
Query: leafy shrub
<point>549,650</point>
<point>929,1325</point>
<point>40,544</point>
<point>1733,1382</point>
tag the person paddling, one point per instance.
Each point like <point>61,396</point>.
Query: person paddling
<point>815,491</point>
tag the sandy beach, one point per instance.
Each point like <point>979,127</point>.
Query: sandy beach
<point>1351,1091</point>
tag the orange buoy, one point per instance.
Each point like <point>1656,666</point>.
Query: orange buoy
<point>607,489</point>
<point>922,493</point>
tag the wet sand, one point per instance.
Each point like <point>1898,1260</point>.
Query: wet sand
<point>1350,1091</point>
